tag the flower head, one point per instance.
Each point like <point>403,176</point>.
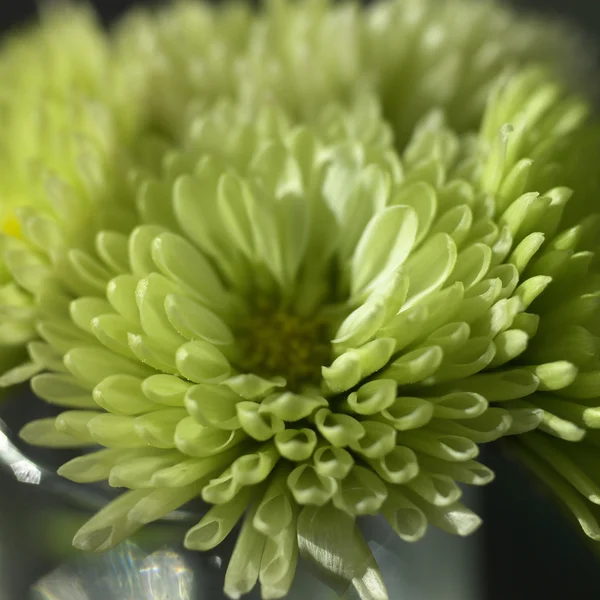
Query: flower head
<point>67,130</point>
<point>564,452</point>
<point>308,328</point>
<point>108,107</point>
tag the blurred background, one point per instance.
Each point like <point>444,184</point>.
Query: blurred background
<point>527,549</point>
<point>584,12</point>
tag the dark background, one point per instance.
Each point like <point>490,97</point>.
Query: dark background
<point>531,551</point>
<point>584,12</point>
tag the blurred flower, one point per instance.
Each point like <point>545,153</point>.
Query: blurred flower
<point>66,130</point>
<point>416,55</point>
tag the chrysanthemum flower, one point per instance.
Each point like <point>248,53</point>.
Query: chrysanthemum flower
<point>84,112</point>
<point>565,451</point>
<point>67,127</point>
<point>245,293</point>
<point>308,329</point>
<point>418,55</point>
<point>67,120</point>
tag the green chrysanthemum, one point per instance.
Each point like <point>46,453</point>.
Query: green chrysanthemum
<point>67,129</point>
<point>243,293</point>
<point>68,121</point>
<point>417,55</point>
<point>84,113</point>
<point>565,452</point>
<point>308,329</point>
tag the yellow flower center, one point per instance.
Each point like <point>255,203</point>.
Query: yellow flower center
<point>275,342</point>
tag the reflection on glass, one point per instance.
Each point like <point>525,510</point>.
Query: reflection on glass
<point>125,573</point>
<point>25,471</point>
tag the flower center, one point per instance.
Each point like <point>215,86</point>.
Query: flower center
<point>275,342</point>
<point>11,227</point>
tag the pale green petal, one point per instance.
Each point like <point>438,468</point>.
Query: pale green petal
<point>497,387</point>
<point>83,310</point>
<point>439,490</point>
<point>555,376</point>
<point>202,362</point>
<point>405,518</point>
<point>113,332</point>
<point>140,243</point>
<point>43,432</point>
<point>120,292</point>
<point>296,444</point>
<point>193,469</point>
<point>244,566</point>
<point>470,471</point>
<point>384,246</point>
<point>278,564</point>
<point>509,344</point>
<point>378,441</point>
<point>352,366</point>
<point>114,431</point>
<point>91,365</point>
<point>257,424</point>
<point>159,503</point>
<point>333,462</point>
<point>456,518</point>
<point>173,256</point>
<point>308,486</point>
<point>110,526</point>
<point>138,472</point>
<point>429,267</point>
<point>165,389</point>
<point>338,429</point>
<point>361,492</point>
<point>112,249</point>
<point>489,426</point>
<point>398,466</point>
<point>373,397</point>
<point>439,445</point>
<point>194,439</point>
<point>193,321</point>
<point>459,405</point>
<point>275,513</point>
<point>408,413</point>
<point>291,407</point>
<point>415,366</point>
<point>95,466</point>
<point>62,390</point>
<point>218,522</point>
<point>450,338</point>
<point>122,395</point>
<point>253,387</point>
<point>472,265</point>
<point>154,354</point>
<point>251,469</point>
<point>213,406</point>
<point>158,428</point>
